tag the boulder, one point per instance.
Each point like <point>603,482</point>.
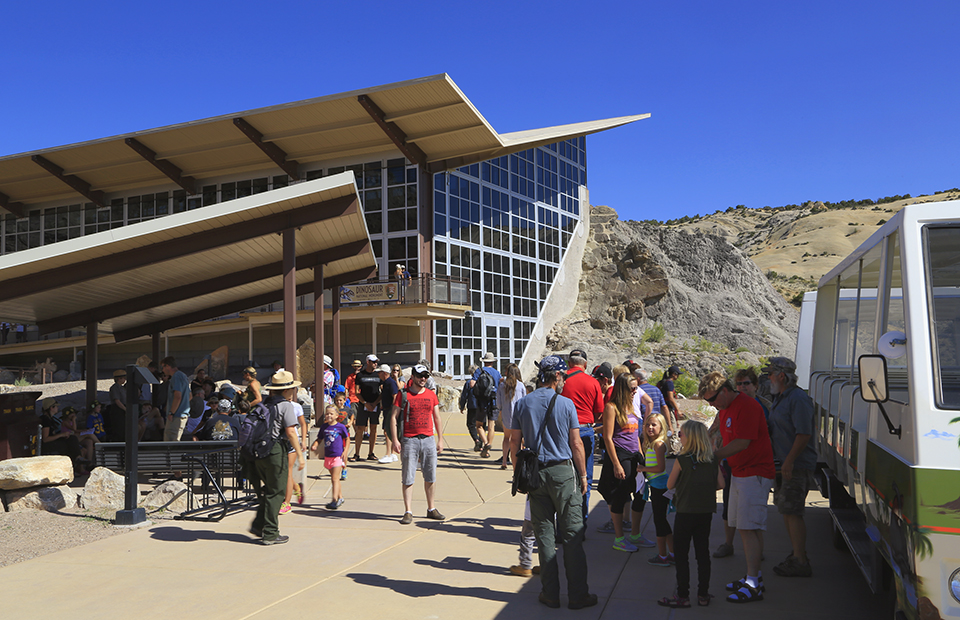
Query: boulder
<point>307,362</point>
<point>33,471</point>
<point>170,495</point>
<point>449,398</point>
<point>104,489</point>
<point>7,377</point>
<point>60,376</point>
<point>50,499</point>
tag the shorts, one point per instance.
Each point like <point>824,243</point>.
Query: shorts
<point>748,502</point>
<point>415,452</point>
<point>367,418</point>
<point>791,498</point>
<point>329,462</point>
<point>485,415</point>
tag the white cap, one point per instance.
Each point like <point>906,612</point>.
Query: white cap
<point>385,368</point>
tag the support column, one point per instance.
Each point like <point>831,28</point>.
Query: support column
<point>373,334</point>
<point>155,348</point>
<point>335,299</point>
<point>250,341</point>
<point>290,301</point>
<point>318,327</point>
<point>425,262</point>
<point>91,362</point>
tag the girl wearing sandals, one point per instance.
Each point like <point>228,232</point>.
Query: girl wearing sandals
<point>655,469</point>
<point>696,477</point>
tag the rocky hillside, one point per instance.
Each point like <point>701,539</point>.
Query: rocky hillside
<point>797,244</point>
<point>665,295</point>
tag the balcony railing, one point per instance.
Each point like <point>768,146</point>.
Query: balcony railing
<point>424,288</point>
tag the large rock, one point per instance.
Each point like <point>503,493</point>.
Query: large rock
<point>170,495</point>
<point>307,362</point>
<point>104,489</point>
<point>60,376</point>
<point>34,471</point>
<point>50,499</point>
<point>449,398</point>
<point>7,377</point>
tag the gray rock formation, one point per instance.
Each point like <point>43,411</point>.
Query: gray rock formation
<point>50,499</point>
<point>33,471</point>
<point>710,298</point>
<point>104,489</point>
<point>170,495</point>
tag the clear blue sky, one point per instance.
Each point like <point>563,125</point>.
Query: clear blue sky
<point>755,103</point>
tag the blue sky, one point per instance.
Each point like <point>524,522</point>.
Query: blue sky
<point>755,103</point>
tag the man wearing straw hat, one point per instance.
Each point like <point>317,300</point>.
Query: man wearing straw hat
<point>268,476</point>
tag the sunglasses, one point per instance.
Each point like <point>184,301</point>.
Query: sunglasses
<point>713,398</point>
<point>744,383</point>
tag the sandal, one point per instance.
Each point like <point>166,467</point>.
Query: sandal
<point>736,585</point>
<point>703,601</point>
<point>674,602</point>
<point>746,594</point>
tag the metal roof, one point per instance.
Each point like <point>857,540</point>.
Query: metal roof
<point>191,266</point>
<point>428,119</point>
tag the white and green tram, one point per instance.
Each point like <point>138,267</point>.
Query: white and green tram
<point>885,379</point>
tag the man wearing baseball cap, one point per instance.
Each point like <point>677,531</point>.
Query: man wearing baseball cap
<point>419,411</point>
<point>791,426</point>
<point>587,398</point>
<point>547,423</point>
<point>369,386</point>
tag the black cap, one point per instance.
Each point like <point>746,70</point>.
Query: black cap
<point>578,353</point>
<point>603,370</point>
<point>674,370</point>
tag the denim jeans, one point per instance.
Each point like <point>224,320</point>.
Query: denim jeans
<point>587,436</point>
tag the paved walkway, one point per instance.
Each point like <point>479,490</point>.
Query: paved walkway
<point>360,563</point>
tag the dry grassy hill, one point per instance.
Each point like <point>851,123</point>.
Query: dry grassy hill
<point>796,245</point>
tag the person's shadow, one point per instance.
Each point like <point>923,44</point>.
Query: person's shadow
<point>178,534</point>
<point>463,564</point>
<point>420,589</point>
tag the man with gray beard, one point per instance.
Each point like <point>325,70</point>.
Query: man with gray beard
<point>791,426</point>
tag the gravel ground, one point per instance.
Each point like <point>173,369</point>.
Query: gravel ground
<point>28,534</point>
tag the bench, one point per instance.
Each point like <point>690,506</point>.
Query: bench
<point>216,463</point>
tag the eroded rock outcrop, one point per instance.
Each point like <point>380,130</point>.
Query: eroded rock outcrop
<point>33,471</point>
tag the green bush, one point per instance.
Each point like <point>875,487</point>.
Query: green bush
<point>654,333</point>
<point>21,382</point>
<point>741,350</point>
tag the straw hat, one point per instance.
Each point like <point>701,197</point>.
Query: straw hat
<point>282,380</point>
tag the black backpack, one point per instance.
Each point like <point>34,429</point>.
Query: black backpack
<point>485,390</point>
<point>257,433</point>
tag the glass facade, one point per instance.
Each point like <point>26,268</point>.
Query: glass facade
<point>503,225</point>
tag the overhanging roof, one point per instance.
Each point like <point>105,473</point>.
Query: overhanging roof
<point>428,119</point>
<point>191,266</point>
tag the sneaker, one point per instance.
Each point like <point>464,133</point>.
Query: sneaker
<point>343,474</point>
<point>279,540</point>
<point>640,541</point>
<point>622,544</point>
<point>792,567</point>
<point>390,458</point>
<point>301,493</point>
<point>285,508</point>
<point>658,560</point>
<point>723,551</point>
<point>435,515</point>
<point>520,571</point>
<point>332,505</point>
<point>407,518</point>
<point>606,528</point>
<point>672,559</point>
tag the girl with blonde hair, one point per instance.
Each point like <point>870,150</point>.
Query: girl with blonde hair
<point>696,477</point>
<point>655,470</point>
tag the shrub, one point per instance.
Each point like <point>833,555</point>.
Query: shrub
<point>881,222</point>
<point>21,382</point>
<point>654,333</point>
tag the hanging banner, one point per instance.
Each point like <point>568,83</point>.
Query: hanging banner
<point>365,293</point>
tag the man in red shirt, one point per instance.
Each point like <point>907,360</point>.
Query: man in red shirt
<point>421,418</point>
<point>587,397</point>
<point>747,448</point>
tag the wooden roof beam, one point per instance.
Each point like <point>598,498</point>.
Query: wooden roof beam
<point>271,150</point>
<point>235,306</point>
<point>17,208</point>
<point>195,289</point>
<point>120,262</point>
<point>172,172</point>
<point>74,182</point>
<point>399,138</point>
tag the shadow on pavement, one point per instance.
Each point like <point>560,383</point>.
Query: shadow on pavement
<point>462,564</point>
<point>178,534</point>
<point>491,529</point>
<point>419,589</point>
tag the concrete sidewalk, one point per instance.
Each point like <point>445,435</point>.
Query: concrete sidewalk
<point>359,562</point>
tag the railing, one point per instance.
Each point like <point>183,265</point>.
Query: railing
<point>424,288</point>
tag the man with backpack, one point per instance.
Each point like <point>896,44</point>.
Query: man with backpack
<point>484,384</point>
<point>267,433</point>
<point>419,410</point>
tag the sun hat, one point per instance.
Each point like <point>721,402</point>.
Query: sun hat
<point>777,364</point>
<point>488,357</point>
<point>357,364</point>
<point>327,360</point>
<point>48,402</point>
<point>282,380</point>
<point>120,372</point>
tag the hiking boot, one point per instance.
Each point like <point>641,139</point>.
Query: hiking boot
<point>588,601</point>
<point>792,567</point>
<point>552,604</point>
<point>622,544</point>
<point>520,571</point>
<point>640,541</point>
<point>435,515</point>
<point>256,532</point>
<point>407,518</point>
<point>279,540</point>
<point>724,550</point>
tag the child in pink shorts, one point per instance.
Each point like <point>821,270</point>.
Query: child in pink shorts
<point>332,436</point>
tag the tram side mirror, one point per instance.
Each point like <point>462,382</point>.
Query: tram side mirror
<point>873,378</point>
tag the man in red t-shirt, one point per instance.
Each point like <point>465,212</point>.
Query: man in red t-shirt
<point>420,411</point>
<point>747,448</point>
<point>587,397</point>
